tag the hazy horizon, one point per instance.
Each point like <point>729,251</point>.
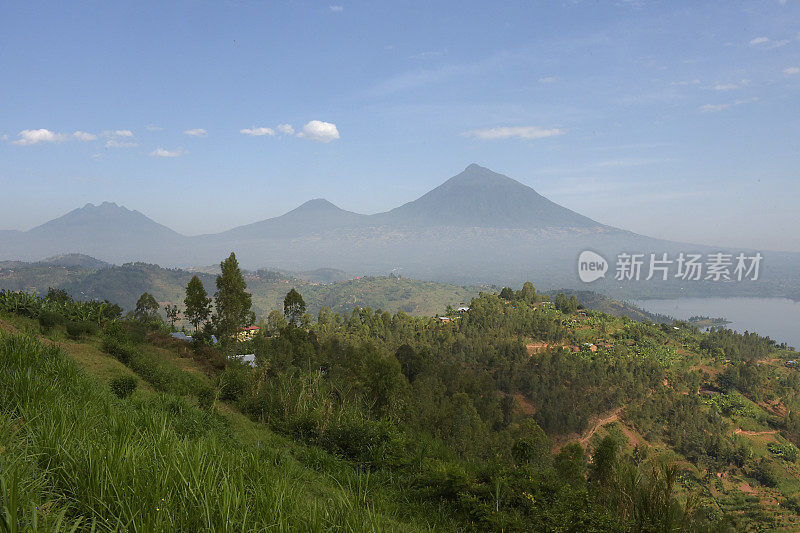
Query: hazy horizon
<point>668,121</point>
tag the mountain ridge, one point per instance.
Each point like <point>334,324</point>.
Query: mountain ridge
<point>478,226</point>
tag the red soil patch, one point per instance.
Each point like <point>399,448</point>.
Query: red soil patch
<point>8,328</point>
<point>775,407</point>
<point>746,488</point>
<point>524,404</point>
<point>536,347</point>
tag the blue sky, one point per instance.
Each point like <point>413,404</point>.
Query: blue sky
<point>671,119</point>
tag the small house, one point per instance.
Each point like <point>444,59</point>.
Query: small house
<point>181,336</point>
<point>247,333</point>
<point>248,359</point>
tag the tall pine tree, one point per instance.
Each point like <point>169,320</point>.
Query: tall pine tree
<point>198,304</point>
<point>232,301</point>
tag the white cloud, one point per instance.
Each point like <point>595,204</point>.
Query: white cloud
<point>4,137</point>
<point>521,132</point>
<point>337,9</point>
<point>28,137</point>
<point>767,44</point>
<point>85,137</point>
<point>713,108</point>
<point>684,83</point>
<point>548,79</point>
<point>118,133</point>
<point>161,152</point>
<point>153,127</point>
<point>725,86</point>
<point>286,129</point>
<point>319,131</point>
<point>196,132</point>
<point>114,143</point>
<point>791,70</point>
<point>257,132</point>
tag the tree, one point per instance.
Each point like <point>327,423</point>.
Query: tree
<point>146,307</point>
<point>293,306</point>
<point>507,293</point>
<point>58,295</point>
<point>531,445</point>
<point>172,314</point>
<point>275,321</point>
<point>198,304</point>
<point>570,464</point>
<point>528,292</point>
<point>232,301</point>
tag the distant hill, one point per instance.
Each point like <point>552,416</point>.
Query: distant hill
<point>478,227</point>
<point>76,260</point>
<point>124,284</point>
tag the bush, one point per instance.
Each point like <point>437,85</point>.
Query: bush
<point>205,398</point>
<point>234,382</point>
<point>787,452</point>
<point>116,331</point>
<point>118,350</point>
<point>76,330</point>
<point>123,386</point>
<point>764,473</point>
<point>49,319</point>
<point>365,440</point>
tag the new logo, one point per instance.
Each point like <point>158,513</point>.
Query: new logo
<point>591,266</point>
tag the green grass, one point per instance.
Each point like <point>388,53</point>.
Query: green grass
<point>72,454</point>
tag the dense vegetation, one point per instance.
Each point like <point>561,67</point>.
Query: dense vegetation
<point>124,284</point>
<point>515,414</point>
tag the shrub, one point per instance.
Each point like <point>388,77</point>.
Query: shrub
<point>364,440</point>
<point>116,331</point>
<point>117,350</point>
<point>123,386</point>
<point>234,382</point>
<point>787,452</point>
<point>49,319</point>
<point>764,473</point>
<point>205,398</point>
<point>76,330</point>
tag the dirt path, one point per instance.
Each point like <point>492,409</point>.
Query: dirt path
<point>8,328</point>
<point>613,416</point>
<point>753,433</point>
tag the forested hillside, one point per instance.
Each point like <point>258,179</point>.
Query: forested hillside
<point>517,414</point>
<point>124,284</point>
<point>85,278</point>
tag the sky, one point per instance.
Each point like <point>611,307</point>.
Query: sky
<point>676,120</point>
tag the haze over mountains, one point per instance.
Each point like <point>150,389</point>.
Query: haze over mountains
<point>478,226</point>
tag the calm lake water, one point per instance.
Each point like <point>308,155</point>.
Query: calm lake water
<point>778,318</point>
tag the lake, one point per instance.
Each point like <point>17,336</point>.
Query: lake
<point>777,318</point>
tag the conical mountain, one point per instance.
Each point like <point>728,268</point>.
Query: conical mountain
<point>314,216</point>
<point>479,197</point>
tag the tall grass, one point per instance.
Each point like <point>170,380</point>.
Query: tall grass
<point>75,457</point>
<point>162,375</point>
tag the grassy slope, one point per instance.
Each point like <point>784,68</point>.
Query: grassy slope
<point>732,492</point>
<point>74,448</point>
